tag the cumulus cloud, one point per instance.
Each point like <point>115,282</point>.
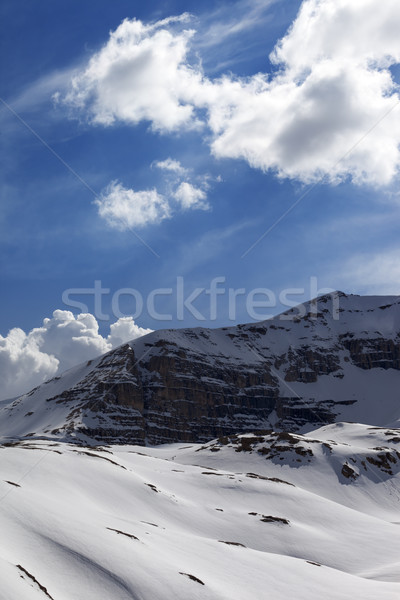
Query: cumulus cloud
<point>124,208</point>
<point>140,74</point>
<point>70,339</point>
<point>190,197</point>
<point>334,87</point>
<point>172,165</point>
<point>22,364</point>
<point>124,330</point>
<point>63,341</point>
<point>354,31</point>
<point>327,110</point>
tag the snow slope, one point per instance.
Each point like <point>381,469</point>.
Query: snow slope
<point>226,520</point>
<point>308,514</point>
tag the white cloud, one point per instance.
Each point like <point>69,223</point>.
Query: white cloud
<point>342,30</point>
<point>190,197</point>
<point>172,165</point>
<point>22,364</point>
<point>71,340</point>
<point>332,89</point>
<point>326,111</point>
<point>140,74</point>
<point>124,330</point>
<point>63,341</point>
<point>123,208</point>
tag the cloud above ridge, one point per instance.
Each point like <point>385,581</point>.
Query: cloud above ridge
<point>63,341</point>
<point>327,109</point>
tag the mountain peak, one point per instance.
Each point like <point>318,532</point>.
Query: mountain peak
<point>307,367</point>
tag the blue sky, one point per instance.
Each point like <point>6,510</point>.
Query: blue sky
<point>248,133</point>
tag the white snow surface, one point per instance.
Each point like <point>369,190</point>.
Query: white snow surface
<point>307,516</point>
<point>200,522</point>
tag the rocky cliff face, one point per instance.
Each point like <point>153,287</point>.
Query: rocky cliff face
<point>292,372</point>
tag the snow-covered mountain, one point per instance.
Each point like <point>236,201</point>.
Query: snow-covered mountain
<point>269,516</point>
<point>280,499</point>
<point>336,362</point>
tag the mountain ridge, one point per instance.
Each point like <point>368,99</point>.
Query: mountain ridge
<point>336,357</point>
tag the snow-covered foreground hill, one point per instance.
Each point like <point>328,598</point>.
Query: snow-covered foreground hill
<point>263,516</point>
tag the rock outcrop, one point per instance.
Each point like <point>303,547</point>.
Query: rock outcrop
<point>289,373</point>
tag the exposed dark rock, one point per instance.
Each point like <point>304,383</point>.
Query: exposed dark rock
<point>129,535</point>
<point>232,543</point>
<point>194,385</point>
<point>32,578</point>
<point>348,472</point>
<point>192,577</point>
<point>270,519</point>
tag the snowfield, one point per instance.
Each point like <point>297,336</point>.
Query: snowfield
<point>290,511</point>
<point>263,516</point>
